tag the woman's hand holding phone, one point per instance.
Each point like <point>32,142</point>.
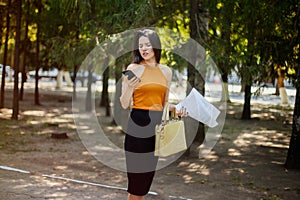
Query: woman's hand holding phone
<point>132,79</point>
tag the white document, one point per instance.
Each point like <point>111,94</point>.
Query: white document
<point>199,108</point>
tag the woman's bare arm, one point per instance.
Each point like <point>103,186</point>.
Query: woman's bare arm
<point>168,74</point>
<point>128,88</point>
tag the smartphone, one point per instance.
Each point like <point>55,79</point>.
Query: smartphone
<point>129,73</point>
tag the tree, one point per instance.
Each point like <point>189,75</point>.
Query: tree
<point>117,17</point>
<point>251,28</point>
<point>196,73</point>
<point>25,44</point>
<point>221,42</point>
<point>5,53</point>
<point>71,36</point>
<point>249,18</point>
<point>16,62</point>
<point>37,63</point>
<point>105,95</point>
<point>293,156</point>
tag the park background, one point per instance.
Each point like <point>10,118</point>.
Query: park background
<point>254,44</point>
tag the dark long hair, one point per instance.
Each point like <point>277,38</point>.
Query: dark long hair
<point>155,43</point>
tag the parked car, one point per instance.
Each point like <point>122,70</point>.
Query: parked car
<point>52,73</point>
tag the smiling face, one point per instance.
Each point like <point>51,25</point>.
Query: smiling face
<point>146,50</point>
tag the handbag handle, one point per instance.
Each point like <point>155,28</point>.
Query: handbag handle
<point>165,115</point>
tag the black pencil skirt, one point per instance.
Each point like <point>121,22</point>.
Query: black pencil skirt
<point>139,150</point>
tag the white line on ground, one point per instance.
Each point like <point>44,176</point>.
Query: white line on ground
<point>85,182</point>
<point>14,169</point>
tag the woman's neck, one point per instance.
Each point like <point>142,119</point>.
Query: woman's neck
<point>150,62</point>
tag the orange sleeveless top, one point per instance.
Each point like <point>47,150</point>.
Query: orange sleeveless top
<point>151,91</point>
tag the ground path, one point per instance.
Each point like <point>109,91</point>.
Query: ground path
<point>246,163</point>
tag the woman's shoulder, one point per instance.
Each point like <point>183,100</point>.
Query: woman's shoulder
<point>166,70</point>
<point>132,66</point>
<point>136,68</point>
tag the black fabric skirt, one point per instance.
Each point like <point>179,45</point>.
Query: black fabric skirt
<point>139,150</point>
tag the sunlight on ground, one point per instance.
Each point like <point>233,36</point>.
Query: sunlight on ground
<point>231,112</point>
<point>5,113</point>
<point>267,138</point>
<point>263,116</point>
<point>233,152</point>
<point>212,156</point>
<point>230,171</point>
<point>195,167</point>
<point>34,113</point>
<point>86,153</point>
<point>188,179</point>
<point>114,129</point>
<point>62,167</point>
<point>57,120</point>
<point>238,161</point>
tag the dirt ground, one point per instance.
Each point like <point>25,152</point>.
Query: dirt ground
<point>246,163</point>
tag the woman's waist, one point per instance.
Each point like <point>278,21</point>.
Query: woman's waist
<point>142,118</point>
<point>141,113</point>
<point>147,108</point>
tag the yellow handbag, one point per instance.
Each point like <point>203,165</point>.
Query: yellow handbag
<point>170,135</point>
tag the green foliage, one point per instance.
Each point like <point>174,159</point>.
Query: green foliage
<point>248,36</point>
<point>255,38</point>
<point>171,40</point>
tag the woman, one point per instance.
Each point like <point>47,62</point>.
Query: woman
<point>147,91</point>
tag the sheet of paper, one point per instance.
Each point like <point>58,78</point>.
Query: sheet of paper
<point>199,108</point>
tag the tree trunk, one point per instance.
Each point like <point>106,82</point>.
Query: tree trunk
<point>247,76</point>
<point>68,78</point>
<point>281,88</point>
<point>88,102</point>
<point>226,38</point>
<point>247,103</point>
<point>59,79</point>
<point>17,62</point>
<point>280,82</point>
<point>24,77</point>
<point>198,32</point>
<point>5,56</point>
<point>226,97</point>
<point>2,25</point>
<point>75,69</point>
<point>276,89</point>
<point>293,156</point>
<point>37,67</point>
<point>104,95</point>
<point>12,60</point>
<point>118,111</point>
